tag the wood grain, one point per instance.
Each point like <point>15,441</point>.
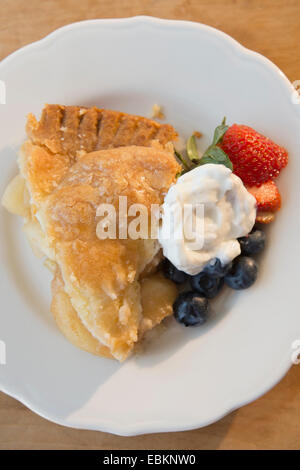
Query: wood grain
<point>270,27</point>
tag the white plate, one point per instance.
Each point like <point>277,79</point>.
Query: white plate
<point>186,378</point>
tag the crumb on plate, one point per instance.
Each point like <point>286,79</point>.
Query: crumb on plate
<point>198,134</point>
<point>157,112</point>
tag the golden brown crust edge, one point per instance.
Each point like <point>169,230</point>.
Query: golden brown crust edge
<point>69,322</point>
<point>73,129</point>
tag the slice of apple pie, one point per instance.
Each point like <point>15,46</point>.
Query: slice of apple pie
<point>106,292</point>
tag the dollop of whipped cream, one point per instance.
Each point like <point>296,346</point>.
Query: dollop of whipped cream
<point>221,209</point>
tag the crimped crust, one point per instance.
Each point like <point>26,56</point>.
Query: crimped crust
<point>69,129</point>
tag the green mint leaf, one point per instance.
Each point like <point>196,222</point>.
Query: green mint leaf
<point>219,132</point>
<point>192,151</point>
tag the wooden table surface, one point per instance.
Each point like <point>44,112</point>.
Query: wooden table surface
<point>267,26</point>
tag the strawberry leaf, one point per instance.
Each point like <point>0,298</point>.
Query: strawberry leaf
<point>219,132</point>
<point>182,161</point>
<point>215,154</point>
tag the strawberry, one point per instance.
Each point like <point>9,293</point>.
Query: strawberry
<point>265,217</point>
<point>255,158</point>
<point>267,196</point>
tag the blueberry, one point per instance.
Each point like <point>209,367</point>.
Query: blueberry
<point>172,273</point>
<point>190,308</point>
<point>215,268</point>
<point>253,243</point>
<point>207,286</point>
<point>242,274</point>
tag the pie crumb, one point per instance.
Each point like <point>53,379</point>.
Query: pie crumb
<point>197,134</point>
<point>157,112</point>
